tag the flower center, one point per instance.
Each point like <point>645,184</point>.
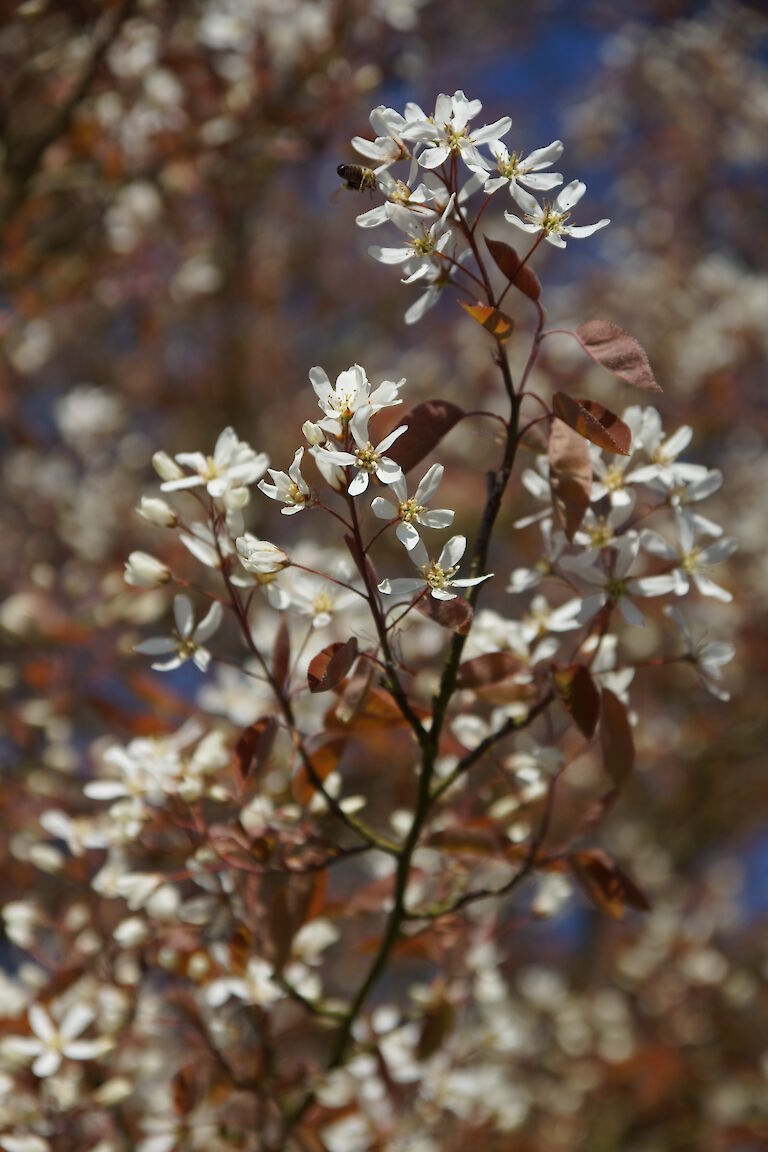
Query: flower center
<point>510,167</point>
<point>295,495</point>
<point>616,588</point>
<point>600,534</point>
<point>423,245</point>
<point>550,219</point>
<point>212,470</point>
<point>322,604</point>
<point>409,511</point>
<point>689,562</point>
<point>437,577</point>
<point>367,458</point>
<point>613,479</point>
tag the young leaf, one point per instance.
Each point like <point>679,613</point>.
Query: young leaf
<point>329,667</point>
<point>594,422</point>
<point>281,654</point>
<point>456,614</point>
<point>570,475</point>
<point>427,424</point>
<point>509,263</point>
<point>617,351</point>
<point>254,746</point>
<point>579,696</point>
<point>606,884</point>
<point>616,740</point>
<point>497,323</point>
<point>487,669</point>
<point>323,761</point>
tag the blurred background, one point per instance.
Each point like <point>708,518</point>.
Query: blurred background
<point>174,259</point>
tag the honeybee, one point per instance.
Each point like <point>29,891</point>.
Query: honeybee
<point>357,178</point>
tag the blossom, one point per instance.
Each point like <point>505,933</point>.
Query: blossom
<point>388,146</point>
<point>551,218</point>
<point>664,451</point>
<point>351,391</point>
<point>523,579</point>
<point>447,132</point>
<point>51,1044</point>
<point>423,244</point>
<point>616,587</point>
<point>255,986</point>
<point>259,556</point>
<point>225,475</point>
<point>691,561</point>
<point>289,487</point>
<point>145,571</point>
<point>514,169</point>
<point>437,576</point>
<point>413,511</point>
<point>708,656</point>
<point>188,638</point>
<point>157,511</point>
<point>368,461</point>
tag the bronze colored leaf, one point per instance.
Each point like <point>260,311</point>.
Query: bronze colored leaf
<point>594,422</point>
<point>570,475</point>
<point>427,424</point>
<point>607,885</point>
<point>509,263</point>
<point>487,669</point>
<point>254,747</point>
<point>497,323</point>
<point>579,696</point>
<point>455,615</point>
<point>620,353</point>
<point>330,666</point>
<point>616,739</point>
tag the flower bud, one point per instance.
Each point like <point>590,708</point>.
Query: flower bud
<point>145,571</point>
<point>313,433</point>
<point>166,468</point>
<point>333,474</point>
<point>157,511</point>
<point>260,556</point>
<point>236,498</point>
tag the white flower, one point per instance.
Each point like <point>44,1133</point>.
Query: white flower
<point>78,834</point>
<point>681,494</point>
<point>149,768</point>
<point>663,453</point>
<point>523,579</point>
<point>157,511</point>
<point>542,618</point>
<point>514,169</point>
<point>188,639</point>
<point>225,475</point>
<point>413,510</point>
<point>447,132</point>
<point>311,595</point>
<point>366,459</point>
<point>145,571</point>
<point>255,986</point>
<point>493,633</point>
<point>424,241</point>
<point>352,391</point>
<point>437,576</point>
<point>259,556</point>
<point>691,561</point>
<point>551,218</point>
<point>616,587</point>
<point>289,487</point>
<point>388,147</point>
<point>51,1044</point>
<point>708,656</point>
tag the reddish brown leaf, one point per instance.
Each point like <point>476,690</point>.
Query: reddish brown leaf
<point>323,761</point>
<point>427,424</point>
<point>616,740</point>
<point>579,696</point>
<point>330,666</point>
<point>617,351</point>
<point>435,1026</point>
<point>607,885</point>
<point>281,654</point>
<point>570,475</point>
<point>253,749</point>
<point>456,614</point>
<point>184,1090</point>
<point>487,669</point>
<point>594,422</point>
<point>507,261</point>
<point>497,323</point>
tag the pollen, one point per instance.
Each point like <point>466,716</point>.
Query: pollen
<point>437,577</point>
<point>409,511</point>
<point>601,535</point>
<point>367,458</point>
